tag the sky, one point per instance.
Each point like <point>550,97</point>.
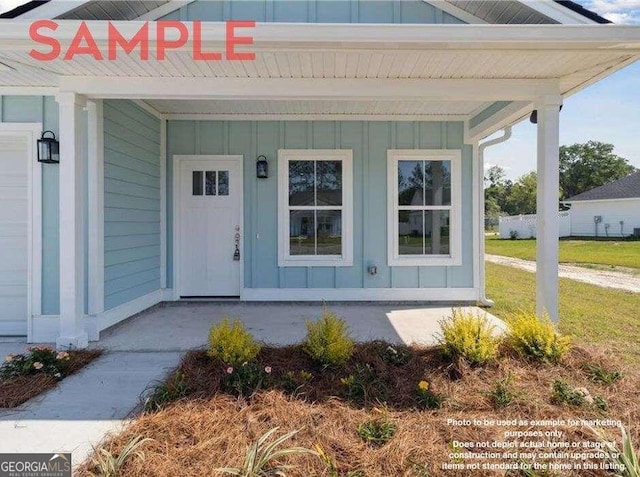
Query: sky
<point>608,111</point>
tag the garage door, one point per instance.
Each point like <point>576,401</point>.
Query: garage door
<point>14,232</point>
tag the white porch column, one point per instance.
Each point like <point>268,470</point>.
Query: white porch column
<point>547,205</point>
<point>72,248</point>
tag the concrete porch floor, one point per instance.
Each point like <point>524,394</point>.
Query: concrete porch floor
<point>185,325</point>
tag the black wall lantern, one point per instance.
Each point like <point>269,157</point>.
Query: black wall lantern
<point>262,167</point>
<point>48,149</point>
<point>534,115</point>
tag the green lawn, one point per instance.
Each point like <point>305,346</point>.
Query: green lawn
<point>624,253</point>
<point>591,314</point>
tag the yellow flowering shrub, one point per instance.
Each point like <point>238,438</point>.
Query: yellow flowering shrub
<point>232,343</point>
<point>470,336</point>
<point>536,338</point>
<point>328,341</point>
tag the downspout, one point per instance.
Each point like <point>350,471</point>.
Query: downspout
<point>481,216</point>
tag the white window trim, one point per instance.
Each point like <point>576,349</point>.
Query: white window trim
<point>455,219</point>
<point>284,258</point>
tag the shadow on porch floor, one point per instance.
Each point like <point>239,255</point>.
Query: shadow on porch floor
<point>185,325</point>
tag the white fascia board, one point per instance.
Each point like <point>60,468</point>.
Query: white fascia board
<point>15,35</point>
<point>163,10</point>
<point>599,200</point>
<point>310,88</point>
<point>558,12</point>
<point>52,9</point>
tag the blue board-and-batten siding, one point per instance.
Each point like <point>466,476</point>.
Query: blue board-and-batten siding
<point>131,202</point>
<point>44,110</point>
<point>369,142</point>
<point>314,11</point>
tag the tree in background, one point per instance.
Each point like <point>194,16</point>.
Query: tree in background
<point>522,195</point>
<point>495,192</point>
<point>586,166</point>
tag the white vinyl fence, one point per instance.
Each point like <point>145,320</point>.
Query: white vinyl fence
<point>524,226</point>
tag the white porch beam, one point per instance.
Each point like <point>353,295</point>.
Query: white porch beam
<point>547,205</point>
<point>72,257</point>
<point>310,88</point>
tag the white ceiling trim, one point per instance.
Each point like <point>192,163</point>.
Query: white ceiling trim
<point>312,117</point>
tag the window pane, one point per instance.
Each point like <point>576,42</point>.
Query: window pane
<point>329,232</point>
<point>223,182</point>
<point>210,183</point>
<point>329,182</point>
<point>410,232</point>
<point>410,182</point>
<point>437,232</point>
<point>301,182</point>
<point>438,182</point>
<point>196,180</point>
<point>301,232</point>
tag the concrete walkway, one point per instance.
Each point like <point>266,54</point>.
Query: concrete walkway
<point>601,278</point>
<point>83,408</point>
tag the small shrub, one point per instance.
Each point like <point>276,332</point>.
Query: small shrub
<point>245,379</point>
<point>232,343</point>
<point>36,360</point>
<point>107,464</point>
<point>469,336</point>
<point>295,383</point>
<point>513,234</point>
<point>502,394</point>
<point>426,398</point>
<point>600,403</point>
<point>165,392</point>
<point>600,375</point>
<point>396,355</point>
<point>536,338</point>
<point>377,431</point>
<point>364,386</point>
<point>327,341</point>
<point>261,458</point>
<point>563,393</point>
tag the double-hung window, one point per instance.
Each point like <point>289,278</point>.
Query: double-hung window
<point>424,201</point>
<point>315,208</point>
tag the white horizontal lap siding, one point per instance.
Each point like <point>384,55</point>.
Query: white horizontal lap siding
<point>612,212</point>
<point>131,203</point>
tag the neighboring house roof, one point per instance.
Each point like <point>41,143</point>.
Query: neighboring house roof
<point>625,188</point>
<point>489,11</point>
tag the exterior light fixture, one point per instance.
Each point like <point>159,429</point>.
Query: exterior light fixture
<point>48,149</point>
<point>534,115</point>
<point>262,167</point>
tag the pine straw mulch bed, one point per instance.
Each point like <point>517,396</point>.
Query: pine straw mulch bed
<point>18,390</point>
<point>208,429</point>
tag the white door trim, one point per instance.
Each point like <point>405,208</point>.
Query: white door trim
<point>177,173</point>
<point>32,132</point>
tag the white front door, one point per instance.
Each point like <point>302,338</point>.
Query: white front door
<point>210,218</point>
<point>14,226</point>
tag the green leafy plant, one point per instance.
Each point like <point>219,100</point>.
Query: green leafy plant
<point>161,393</point>
<point>396,355</point>
<point>600,403</point>
<point>364,385</point>
<point>332,468</point>
<point>426,398</point>
<point>36,360</point>
<point>502,394</point>
<point>106,464</point>
<point>328,341</point>
<point>536,338</point>
<point>469,336</point>
<point>377,431</point>
<point>598,374</point>
<point>295,383</point>
<point>627,462</point>
<point>232,343</point>
<point>261,458</point>
<point>245,379</point>
<point>563,393</point>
